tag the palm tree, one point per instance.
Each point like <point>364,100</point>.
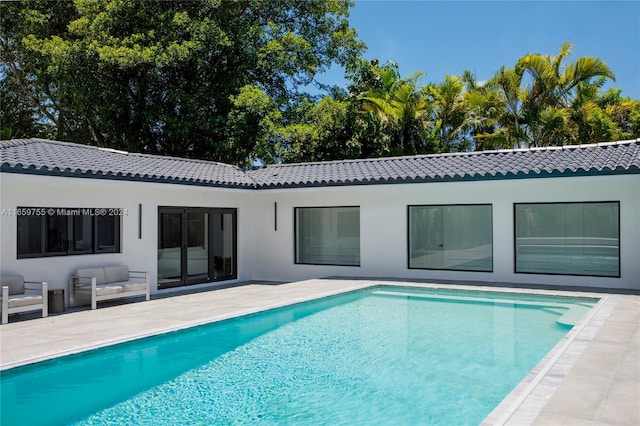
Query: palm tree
<point>537,93</point>
<point>484,108</point>
<point>508,111</point>
<point>449,113</point>
<point>401,105</point>
<point>550,85</point>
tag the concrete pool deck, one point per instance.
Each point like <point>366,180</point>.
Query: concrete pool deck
<point>592,377</point>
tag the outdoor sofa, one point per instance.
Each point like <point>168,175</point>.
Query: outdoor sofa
<point>106,283</point>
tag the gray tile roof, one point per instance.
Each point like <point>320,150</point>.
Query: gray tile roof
<point>39,156</point>
<point>605,158</point>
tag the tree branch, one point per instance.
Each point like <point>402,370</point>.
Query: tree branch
<point>11,60</point>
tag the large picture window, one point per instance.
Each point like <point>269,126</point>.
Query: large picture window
<point>47,231</point>
<point>568,238</point>
<point>327,235</point>
<point>451,237</point>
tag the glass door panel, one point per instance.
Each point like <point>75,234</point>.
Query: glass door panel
<point>169,246</point>
<point>224,244</point>
<point>197,245</point>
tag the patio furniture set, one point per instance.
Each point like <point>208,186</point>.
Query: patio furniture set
<point>86,286</point>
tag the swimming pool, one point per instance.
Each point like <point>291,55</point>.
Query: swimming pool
<point>383,355</point>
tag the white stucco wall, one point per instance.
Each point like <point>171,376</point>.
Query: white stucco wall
<point>140,254</point>
<point>383,226</point>
<point>267,254</point>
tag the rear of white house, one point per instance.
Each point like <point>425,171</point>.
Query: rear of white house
<point>556,217</point>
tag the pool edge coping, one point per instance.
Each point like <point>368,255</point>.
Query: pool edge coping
<point>527,399</point>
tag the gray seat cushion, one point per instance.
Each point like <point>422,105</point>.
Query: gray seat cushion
<point>101,290</point>
<point>134,287</point>
<point>14,282</point>
<point>17,301</point>
<point>114,274</point>
<point>92,272</point>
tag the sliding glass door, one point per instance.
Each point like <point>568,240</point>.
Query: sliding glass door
<point>195,245</point>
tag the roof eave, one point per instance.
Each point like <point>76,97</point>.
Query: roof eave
<point>466,178</point>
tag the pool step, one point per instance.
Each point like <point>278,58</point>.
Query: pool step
<point>573,315</point>
<point>570,314</point>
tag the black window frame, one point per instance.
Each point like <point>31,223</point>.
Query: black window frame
<point>490,205</point>
<point>295,237</point>
<point>515,244</point>
<point>44,214</point>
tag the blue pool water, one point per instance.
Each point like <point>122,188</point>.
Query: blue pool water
<point>385,355</point>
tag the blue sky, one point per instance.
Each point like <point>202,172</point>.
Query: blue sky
<point>447,37</point>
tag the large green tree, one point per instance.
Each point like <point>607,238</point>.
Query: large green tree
<point>346,124</point>
<point>323,130</point>
<point>169,77</point>
<point>18,113</point>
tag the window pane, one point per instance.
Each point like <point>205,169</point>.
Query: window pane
<point>328,236</point>
<point>56,234</point>
<point>108,233</point>
<point>451,237</point>
<point>569,238</point>
<point>30,235</point>
<point>82,234</point>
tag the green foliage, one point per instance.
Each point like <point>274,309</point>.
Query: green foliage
<point>18,113</point>
<point>400,105</point>
<point>537,109</point>
<point>170,77</point>
<point>540,101</point>
<point>623,113</point>
<point>251,122</point>
<point>325,131</point>
<point>449,113</point>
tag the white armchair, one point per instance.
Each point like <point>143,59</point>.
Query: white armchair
<point>19,295</point>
